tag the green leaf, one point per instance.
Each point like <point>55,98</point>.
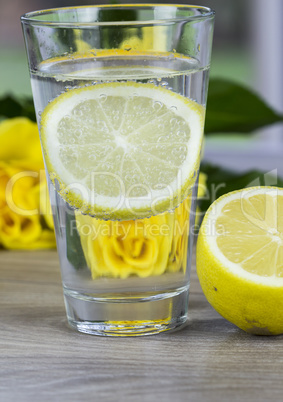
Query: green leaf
<point>11,107</point>
<point>28,109</point>
<point>221,181</point>
<point>233,108</point>
<point>73,242</point>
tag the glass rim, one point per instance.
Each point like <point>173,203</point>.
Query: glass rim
<point>32,17</point>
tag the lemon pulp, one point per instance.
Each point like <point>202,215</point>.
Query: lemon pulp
<point>250,233</point>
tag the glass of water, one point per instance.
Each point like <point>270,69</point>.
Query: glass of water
<point>120,94</point>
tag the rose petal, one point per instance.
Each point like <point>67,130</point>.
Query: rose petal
<point>20,144</point>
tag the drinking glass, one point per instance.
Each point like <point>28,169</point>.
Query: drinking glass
<point>120,94</point>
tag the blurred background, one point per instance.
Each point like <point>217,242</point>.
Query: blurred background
<point>248,48</point>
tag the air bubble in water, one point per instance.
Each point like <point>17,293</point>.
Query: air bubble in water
<point>78,133</point>
<point>92,158</point>
<point>77,112</point>
<point>102,97</point>
<point>157,105</point>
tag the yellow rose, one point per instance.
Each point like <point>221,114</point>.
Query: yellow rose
<point>120,249</point>
<point>81,45</point>
<point>149,39</point>
<point>19,144</point>
<point>178,253</point>
<point>20,220</point>
<point>21,178</point>
<point>144,247</point>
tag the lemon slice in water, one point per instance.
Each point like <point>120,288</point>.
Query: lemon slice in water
<point>122,150</point>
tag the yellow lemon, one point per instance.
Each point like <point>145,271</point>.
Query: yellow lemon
<point>240,258</point>
<point>122,150</point>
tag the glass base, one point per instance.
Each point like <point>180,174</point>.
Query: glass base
<point>127,316</point>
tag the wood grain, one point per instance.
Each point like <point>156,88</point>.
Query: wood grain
<point>42,359</point>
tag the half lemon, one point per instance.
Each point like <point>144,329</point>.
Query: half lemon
<point>240,258</point>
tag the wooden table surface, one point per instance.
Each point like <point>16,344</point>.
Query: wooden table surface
<point>42,359</point>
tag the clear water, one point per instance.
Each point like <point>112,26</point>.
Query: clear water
<point>182,76</point>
